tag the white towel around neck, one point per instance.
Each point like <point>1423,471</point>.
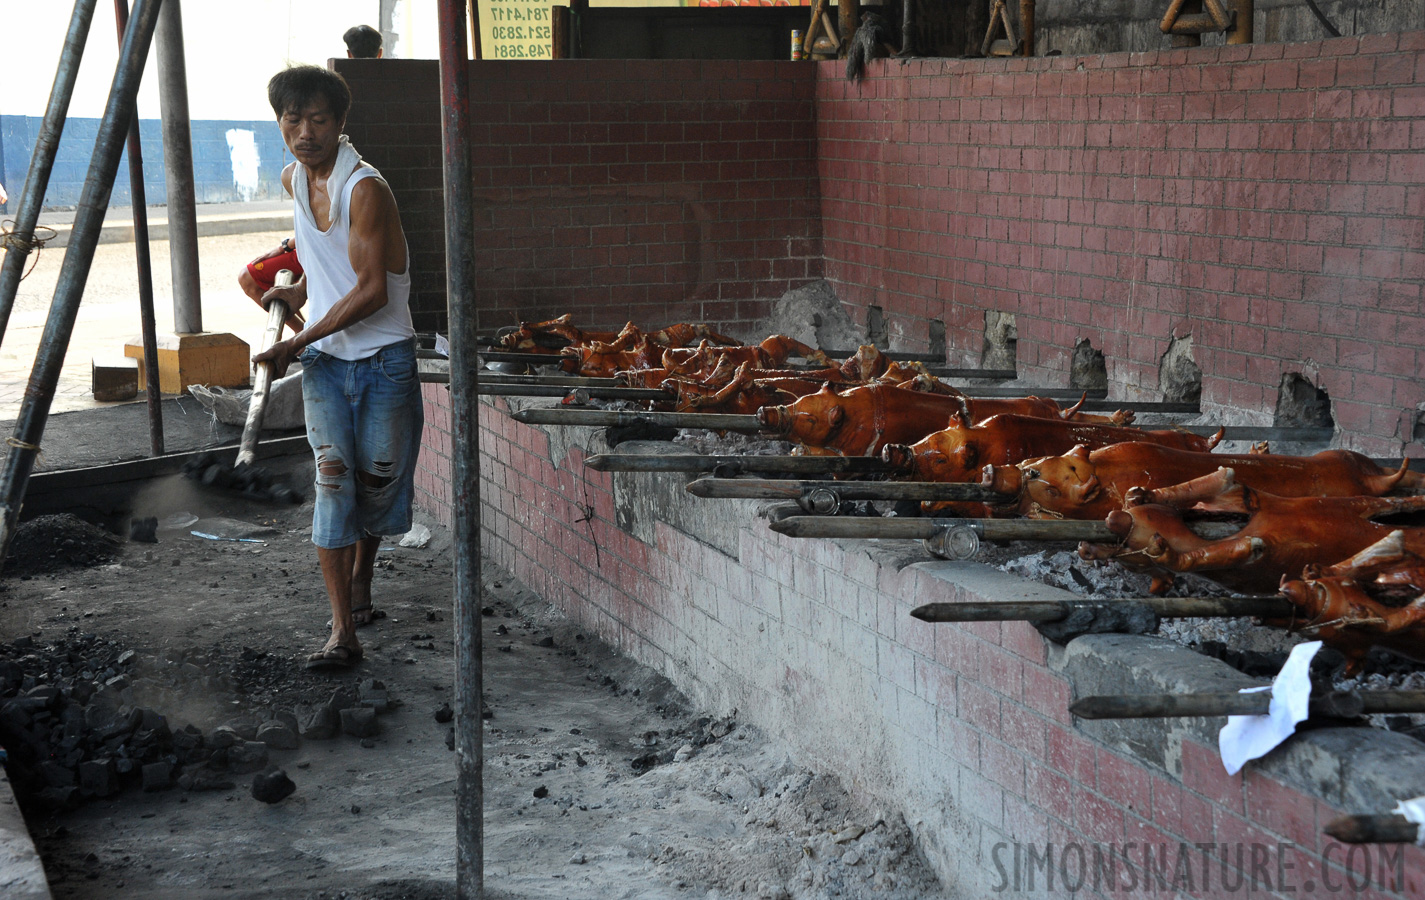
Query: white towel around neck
<point>347,159</point>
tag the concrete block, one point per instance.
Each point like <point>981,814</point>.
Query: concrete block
<point>208,358</point>
<point>114,378</point>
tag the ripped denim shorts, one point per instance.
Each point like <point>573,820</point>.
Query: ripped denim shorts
<point>364,423</point>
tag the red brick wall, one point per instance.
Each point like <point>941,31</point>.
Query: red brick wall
<point>964,728</point>
<point>1268,200</point>
<point>651,191</point>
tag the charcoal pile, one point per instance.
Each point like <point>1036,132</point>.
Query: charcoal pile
<point>78,719</point>
<point>49,544</point>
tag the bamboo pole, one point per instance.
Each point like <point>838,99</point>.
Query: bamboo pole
<point>1054,610</point>
<point>598,418</point>
<point>768,489</point>
<point>1389,829</point>
<point>1335,704</point>
<point>688,462</point>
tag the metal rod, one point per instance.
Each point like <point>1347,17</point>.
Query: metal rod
<point>849,18</point>
<point>545,415</point>
<point>1054,610</point>
<point>988,529</point>
<point>559,31</point>
<point>465,432</point>
<point>924,529</point>
<point>769,489</point>
<point>27,214</point>
<point>138,199</point>
<point>1389,829</point>
<point>510,356</point>
<point>1245,11</point>
<point>688,462</point>
<point>553,359</point>
<point>557,390</point>
<point>178,172</point>
<point>74,271</point>
<point>571,381</point>
<point>1335,704</point>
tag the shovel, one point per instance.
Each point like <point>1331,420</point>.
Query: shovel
<point>251,480</point>
<point>262,381</point>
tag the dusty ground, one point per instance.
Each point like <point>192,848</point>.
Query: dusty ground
<point>599,782</point>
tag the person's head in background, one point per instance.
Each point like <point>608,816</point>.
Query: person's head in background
<point>362,42</point>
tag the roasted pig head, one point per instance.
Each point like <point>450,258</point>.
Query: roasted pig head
<point>1373,599</point>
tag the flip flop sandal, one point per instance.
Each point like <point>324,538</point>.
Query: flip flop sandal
<point>333,658</point>
<point>366,615</point>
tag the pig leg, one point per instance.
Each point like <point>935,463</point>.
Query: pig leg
<point>1226,554</point>
<point>1186,494</point>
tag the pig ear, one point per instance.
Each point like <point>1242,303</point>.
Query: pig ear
<point>1081,451</point>
<point>836,416</point>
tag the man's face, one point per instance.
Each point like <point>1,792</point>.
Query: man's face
<point>311,132</point>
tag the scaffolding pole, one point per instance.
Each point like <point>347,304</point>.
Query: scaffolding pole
<point>139,201</point>
<point>21,240</point>
<point>465,471</point>
<point>69,290</point>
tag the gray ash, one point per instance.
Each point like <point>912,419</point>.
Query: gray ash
<point>53,543</point>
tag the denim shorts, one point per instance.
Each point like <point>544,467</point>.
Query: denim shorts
<point>364,423</point>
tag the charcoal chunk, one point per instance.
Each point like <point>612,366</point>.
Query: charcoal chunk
<point>272,786</point>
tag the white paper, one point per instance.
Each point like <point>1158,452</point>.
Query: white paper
<point>442,346</point>
<point>418,536</point>
<point>1414,810</point>
<point>1249,737</point>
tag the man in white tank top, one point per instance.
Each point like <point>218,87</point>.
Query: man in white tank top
<point>360,384</point>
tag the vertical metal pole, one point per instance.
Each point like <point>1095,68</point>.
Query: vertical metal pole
<point>1241,32</point>
<point>559,26</point>
<point>848,12</point>
<point>42,159</point>
<point>74,272</point>
<point>178,171</point>
<point>1026,27</point>
<point>145,264</point>
<point>465,434</point>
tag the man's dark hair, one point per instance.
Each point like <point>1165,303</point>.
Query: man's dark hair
<point>296,88</point>
<point>362,41</point>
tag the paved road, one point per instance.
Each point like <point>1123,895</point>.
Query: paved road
<point>109,313</point>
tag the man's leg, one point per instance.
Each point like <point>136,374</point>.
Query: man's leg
<point>336,563</point>
<point>362,568</point>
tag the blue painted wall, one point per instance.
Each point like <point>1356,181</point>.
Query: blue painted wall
<point>212,161</point>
